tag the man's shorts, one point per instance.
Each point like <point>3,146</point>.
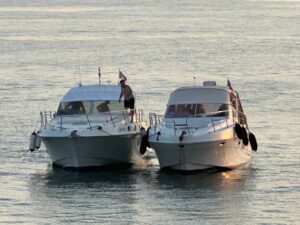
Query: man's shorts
<point>129,103</point>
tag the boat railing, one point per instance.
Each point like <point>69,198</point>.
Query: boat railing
<point>92,120</point>
<point>213,119</point>
<point>46,117</point>
<point>155,119</point>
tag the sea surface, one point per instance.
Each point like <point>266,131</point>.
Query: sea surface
<point>46,47</point>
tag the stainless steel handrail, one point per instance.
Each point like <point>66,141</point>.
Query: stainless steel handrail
<point>240,117</point>
<point>47,116</point>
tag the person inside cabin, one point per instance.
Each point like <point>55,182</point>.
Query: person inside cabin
<point>129,100</point>
<point>182,110</point>
<point>200,110</point>
<point>189,108</point>
<point>103,107</point>
<point>76,107</point>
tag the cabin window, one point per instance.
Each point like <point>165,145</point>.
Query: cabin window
<point>196,110</point>
<point>224,110</point>
<point>74,107</point>
<point>107,106</point>
<point>180,110</point>
<point>213,109</point>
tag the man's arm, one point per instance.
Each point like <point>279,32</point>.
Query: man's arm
<point>121,94</point>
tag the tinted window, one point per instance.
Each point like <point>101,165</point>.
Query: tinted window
<point>75,107</point>
<point>198,110</point>
<point>107,106</point>
<point>180,110</point>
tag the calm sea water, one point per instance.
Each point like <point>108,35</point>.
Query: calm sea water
<point>48,46</point>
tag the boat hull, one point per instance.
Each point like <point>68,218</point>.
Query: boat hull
<point>94,151</point>
<point>191,156</point>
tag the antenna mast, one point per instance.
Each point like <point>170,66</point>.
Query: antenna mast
<point>79,68</point>
<point>99,75</point>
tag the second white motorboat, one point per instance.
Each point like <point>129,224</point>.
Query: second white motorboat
<point>204,127</point>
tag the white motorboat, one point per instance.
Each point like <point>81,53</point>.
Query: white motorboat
<point>91,129</point>
<point>204,127</point>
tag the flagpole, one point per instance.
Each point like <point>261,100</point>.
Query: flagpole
<point>229,85</point>
<point>99,75</point>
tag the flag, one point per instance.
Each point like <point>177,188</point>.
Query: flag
<point>229,85</point>
<point>99,72</point>
<point>122,76</point>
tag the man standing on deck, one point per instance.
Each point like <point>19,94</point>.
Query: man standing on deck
<point>129,100</point>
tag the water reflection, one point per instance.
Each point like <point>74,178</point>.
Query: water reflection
<point>148,174</point>
<point>134,195</point>
<point>57,177</point>
<point>99,195</point>
<point>231,180</point>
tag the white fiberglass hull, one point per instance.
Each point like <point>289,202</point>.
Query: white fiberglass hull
<point>206,153</point>
<point>92,151</point>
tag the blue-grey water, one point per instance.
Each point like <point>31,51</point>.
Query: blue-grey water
<point>48,46</point>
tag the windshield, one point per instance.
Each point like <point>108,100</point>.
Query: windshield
<point>73,108</point>
<point>89,107</point>
<point>107,106</point>
<point>196,110</point>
